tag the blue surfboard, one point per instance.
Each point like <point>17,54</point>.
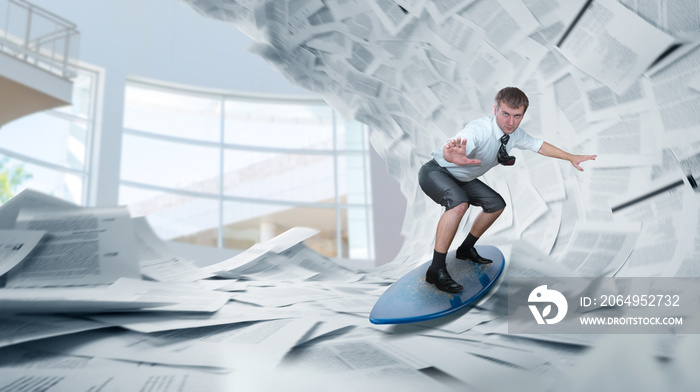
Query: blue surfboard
<point>412,299</point>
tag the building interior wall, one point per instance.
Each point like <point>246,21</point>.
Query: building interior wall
<point>167,41</point>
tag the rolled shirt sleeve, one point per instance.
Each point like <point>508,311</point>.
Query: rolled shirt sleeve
<point>525,141</point>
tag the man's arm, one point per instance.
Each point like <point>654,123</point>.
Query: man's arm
<point>549,150</point>
<point>455,151</point>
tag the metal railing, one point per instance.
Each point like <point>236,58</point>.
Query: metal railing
<point>39,37</point>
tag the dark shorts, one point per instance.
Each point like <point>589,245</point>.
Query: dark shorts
<point>446,190</point>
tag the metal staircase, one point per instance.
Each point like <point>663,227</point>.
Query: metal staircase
<point>37,54</point>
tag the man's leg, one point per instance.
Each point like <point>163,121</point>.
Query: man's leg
<point>447,228</point>
<point>482,222</point>
<point>445,190</point>
<point>493,205</point>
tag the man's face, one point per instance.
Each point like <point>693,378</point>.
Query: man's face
<point>507,118</point>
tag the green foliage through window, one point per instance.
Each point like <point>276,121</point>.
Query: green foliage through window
<point>10,179</point>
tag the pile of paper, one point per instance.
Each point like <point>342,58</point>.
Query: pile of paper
<point>110,294</point>
<point>277,315</point>
<point>94,289</point>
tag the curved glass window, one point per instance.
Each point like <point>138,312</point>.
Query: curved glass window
<point>305,125</point>
<point>230,170</point>
<point>49,151</point>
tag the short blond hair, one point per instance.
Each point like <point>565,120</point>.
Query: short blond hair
<point>513,97</point>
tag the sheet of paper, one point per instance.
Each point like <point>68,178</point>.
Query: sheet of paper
<point>283,294</point>
<point>544,231</point>
<point>671,98</point>
<point>613,44</point>
<point>290,238</point>
<point>182,297</point>
<point>260,345</point>
<point>242,346</point>
<point>78,380</point>
<point>29,198</point>
<point>74,300</point>
<point>456,38</point>
<point>602,103</point>
<point>600,187</point>
<point>575,126</point>
<point>516,357</point>
<point>667,187</point>
<point>226,268</point>
<point>457,324</point>
<point>666,236</point>
<point>505,21</point>
<point>551,12</point>
<point>553,67</point>
<point>489,66</point>
<point>157,261</point>
<point>528,261</point>
<point>474,371</point>
<point>689,266</point>
<point>329,327</point>
<point>282,242</point>
<point>695,83</point>
<point>323,268</point>
<point>528,205</point>
<point>600,250</point>
<point>18,329</point>
<point>19,357</point>
<point>391,15</point>
<point>442,10</point>
<point>566,352</point>
<point>545,176</point>
<point>274,267</point>
<point>666,15</point>
<point>353,361</point>
<point>231,313</point>
<point>628,142</point>
<point>361,304</point>
<point>81,247</point>
<point>571,212</point>
<point>15,245</point>
<point>525,57</point>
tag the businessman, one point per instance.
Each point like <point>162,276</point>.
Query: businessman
<point>451,177</point>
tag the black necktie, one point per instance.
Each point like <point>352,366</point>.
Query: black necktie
<point>503,157</point>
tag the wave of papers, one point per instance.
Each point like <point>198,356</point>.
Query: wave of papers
<point>617,79</point>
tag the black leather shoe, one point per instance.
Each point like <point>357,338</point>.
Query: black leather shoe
<point>443,281</point>
<point>472,255</point>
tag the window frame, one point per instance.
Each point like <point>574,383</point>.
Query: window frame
<point>226,96</point>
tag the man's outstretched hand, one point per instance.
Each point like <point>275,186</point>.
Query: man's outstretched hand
<point>576,159</point>
<point>549,150</point>
<point>455,151</point>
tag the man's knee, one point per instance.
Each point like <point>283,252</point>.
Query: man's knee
<point>460,209</point>
<point>498,205</point>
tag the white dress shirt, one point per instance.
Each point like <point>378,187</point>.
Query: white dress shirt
<point>483,141</point>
